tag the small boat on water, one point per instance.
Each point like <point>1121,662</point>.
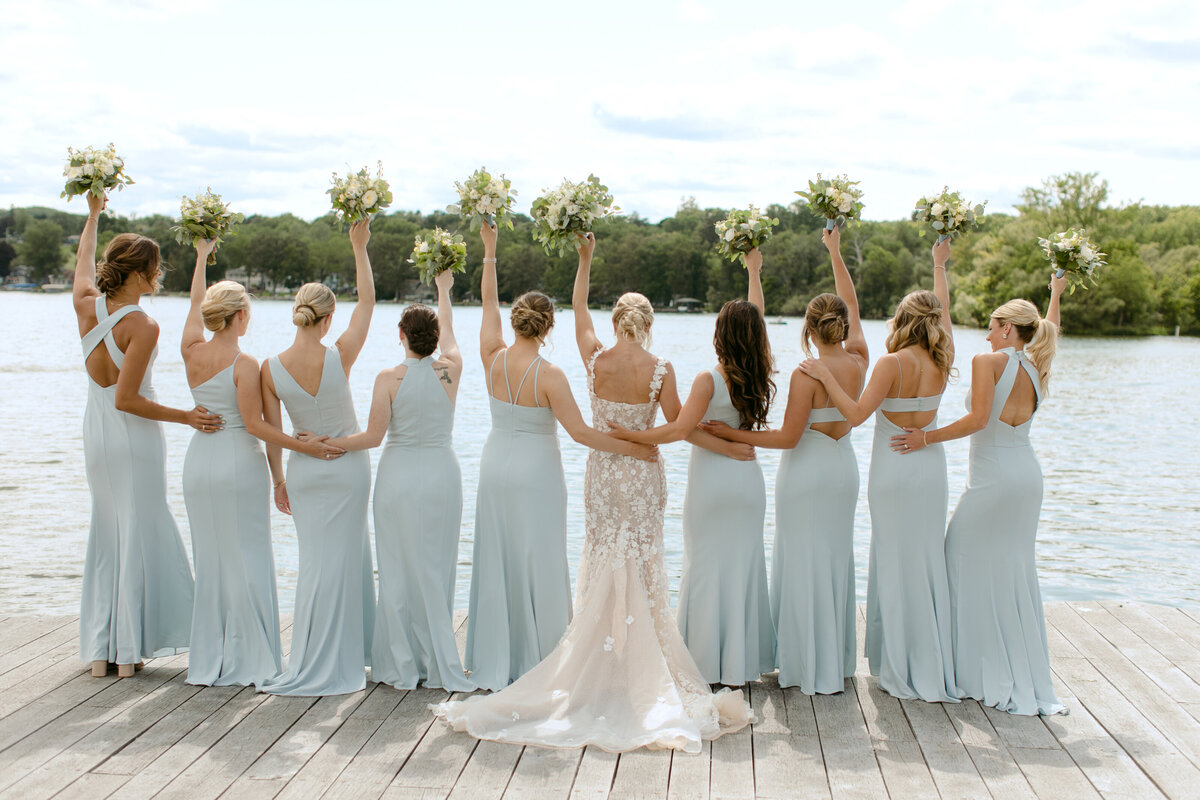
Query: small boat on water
<point>778,321</point>
<point>55,288</point>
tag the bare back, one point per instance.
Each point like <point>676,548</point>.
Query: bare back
<point>512,376</point>
<point>848,370</point>
<point>99,364</point>
<point>623,374</point>
<point>204,360</point>
<point>917,376</point>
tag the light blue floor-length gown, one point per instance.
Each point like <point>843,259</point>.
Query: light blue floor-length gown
<point>418,513</point>
<point>908,600</point>
<point>335,590</point>
<point>227,491</point>
<point>1000,653</point>
<point>812,566</point>
<point>520,600</point>
<point>137,585</point>
<point>724,609</point>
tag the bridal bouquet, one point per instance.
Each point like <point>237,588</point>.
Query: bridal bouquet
<point>1070,251</point>
<point>559,214</point>
<point>436,252</point>
<point>742,231</point>
<point>838,200</point>
<point>95,171</point>
<point>205,217</point>
<point>947,214</point>
<point>358,195</point>
<point>483,198</point>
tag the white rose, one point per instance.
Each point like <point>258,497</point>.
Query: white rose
<point>729,234</point>
<point>830,191</point>
<point>73,172</point>
<point>1085,253</point>
<point>937,209</point>
<point>424,248</point>
<point>370,198</point>
<point>88,169</point>
<point>846,205</point>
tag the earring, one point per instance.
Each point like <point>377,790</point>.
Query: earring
<point>1005,336</point>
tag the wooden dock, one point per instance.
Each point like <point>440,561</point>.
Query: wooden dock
<point>1130,674</point>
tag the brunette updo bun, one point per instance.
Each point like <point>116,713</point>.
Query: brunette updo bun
<point>126,254</point>
<point>828,319</point>
<point>532,315</point>
<point>420,326</point>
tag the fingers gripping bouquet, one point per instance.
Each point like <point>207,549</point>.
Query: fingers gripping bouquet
<point>838,200</point>
<point>205,217</point>
<point>947,214</point>
<point>572,208</point>
<point>436,252</point>
<point>358,195</point>
<point>742,231</point>
<point>95,171</point>
<point>483,198</point>
<point>1070,252</point>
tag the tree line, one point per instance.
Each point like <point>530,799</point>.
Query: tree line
<point>1151,283</point>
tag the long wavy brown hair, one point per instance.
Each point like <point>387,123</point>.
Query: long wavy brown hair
<point>918,321</point>
<point>745,354</point>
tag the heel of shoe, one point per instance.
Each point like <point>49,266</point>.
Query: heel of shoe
<point>99,669</point>
<point>125,670</point>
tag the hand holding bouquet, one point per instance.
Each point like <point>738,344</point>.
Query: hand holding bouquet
<point>838,200</point>
<point>742,231</point>
<point>95,171</point>
<point>358,195</point>
<point>436,252</point>
<point>483,198</point>
<point>1070,252</point>
<point>947,214</point>
<point>572,208</point>
<point>205,217</point>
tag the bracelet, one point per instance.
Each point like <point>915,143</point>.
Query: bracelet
<point>924,438</point>
<point>280,483</point>
<point>489,261</point>
<point>939,266</point>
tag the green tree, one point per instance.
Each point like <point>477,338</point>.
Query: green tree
<point>42,249</point>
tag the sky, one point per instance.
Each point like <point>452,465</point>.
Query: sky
<point>729,103</point>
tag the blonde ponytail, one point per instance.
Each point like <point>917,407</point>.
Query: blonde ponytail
<point>1040,335</point>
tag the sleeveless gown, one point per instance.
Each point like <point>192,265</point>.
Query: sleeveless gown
<point>227,490</point>
<point>724,609</point>
<point>908,601</point>
<point>621,677</point>
<point>418,513</point>
<point>335,590</point>
<point>812,566</point>
<point>137,585</point>
<point>520,600</point>
<point>1000,653</point>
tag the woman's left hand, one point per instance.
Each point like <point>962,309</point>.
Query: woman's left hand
<point>754,260</point>
<point>618,432</point>
<point>716,428</point>
<point>204,247</point>
<point>910,441</point>
<point>281,498</point>
<point>360,233</point>
<point>815,369</point>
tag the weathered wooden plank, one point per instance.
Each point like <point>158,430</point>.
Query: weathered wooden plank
<point>769,706</point>
<point>388,749</point>
<point>732,774</point>
<point>488,772</point>
<point>1140,652</point>
<point>19,658</point>
<point>1052,773</point>
<point>884,717</point>
<point>690,773</point>
<point>643,775</point>
<point>439,757</point>
<point>92,786</point>
<point>801,720</point>
<point>788,767</point>
<point>991,758</point>
<point>904,770</point>
<point>1139,618</point>
<point>1021,731</point>
<point>25,629</point>
<point>542,772</point>
<point>953,771</point>
<point>594,778</point>
<point>850,762</point>
<point>41,674</point>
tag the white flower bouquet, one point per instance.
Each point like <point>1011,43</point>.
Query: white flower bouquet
<point>573,208</point>
<point>947,214</point>
<point>838,200</point>
<point>95,171</point>
<point>358,195</point>
<point>742,231</point>
<point>482,198</point>
<point>1070,252</point>
<point>205,216</point>
<point>436,252</point>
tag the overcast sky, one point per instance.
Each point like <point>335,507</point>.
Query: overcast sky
<point>732,103</point>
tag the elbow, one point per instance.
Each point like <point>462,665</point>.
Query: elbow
<point>124,402</point>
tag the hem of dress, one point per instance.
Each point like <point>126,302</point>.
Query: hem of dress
<point>1042,710</point>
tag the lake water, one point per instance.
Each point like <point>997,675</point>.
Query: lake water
<point>1119,444</point>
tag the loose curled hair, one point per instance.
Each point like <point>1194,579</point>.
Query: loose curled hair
<point>632,316</point>
<point>419,323</point>
<point>1039,335</point>
<point>314,302</point>
<point>126,254</point>
<point>918,321</point>
<point>744,352</point>
<point>222,302</point>
<point>532,315</point>
<point>828,319</point>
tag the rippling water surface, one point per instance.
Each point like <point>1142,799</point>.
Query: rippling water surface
<point>1119,444</point>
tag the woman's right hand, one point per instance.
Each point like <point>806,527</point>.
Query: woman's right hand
<point>202,420</point>
<point>96,204</point>
<point>832,239</point>
<point>282,502</point>
<point>717,428</point>
<point>644,452</point>
<point>739,451</point>
<point>586,244</point>
<point>1057,284</point>
<point>360,233</point>
<point>489,234</point>
<point>815,369</point>
<point>941,253</point>
<point>317,447</point>
<point>204,247</point>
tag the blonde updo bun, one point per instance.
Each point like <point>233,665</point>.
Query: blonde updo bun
<point>222,302</point>
<point>1039,335</point>
<point>532,315</point>
<point>314,302</point>
<point>126,254</point>
<point>918,321</point>
<point>826,318</point>
<point>632,316</point>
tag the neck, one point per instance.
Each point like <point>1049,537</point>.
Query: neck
<point>226,337</point>
<point>410,354</point>
<point>308,337</point>
<point>626,344</point>
<point>824,350</point>
<point>525,343</point>
<point>126,295</point>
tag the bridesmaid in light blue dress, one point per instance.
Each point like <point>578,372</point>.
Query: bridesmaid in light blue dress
<point>235,619</point>
<point>816,492</point>
<point>908,600</point>
<point>724,609</point>
<point>418,503</point>
<point>520,600</point>
<point>1000,654</point>
<point>137,585</point>
<point>335,589</point>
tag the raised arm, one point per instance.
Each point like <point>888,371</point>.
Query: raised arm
<point>1056,289</point>
<point>250,406</point>
<point>450,365</point>
<point>856,413</point>
<point>585,332</point>
<point>491,331</point>
<point>557,393</point>
<point>386,384</point>
<point>795,419</point>
<point>83,289</point>
<point>754,292</point>
<point>856,342</point>
<point>668,401</point>
<point>983,390</point>
<point>941,287</point>
<point>688,418</point>
<point>193,327</point>
<point>351,342</point>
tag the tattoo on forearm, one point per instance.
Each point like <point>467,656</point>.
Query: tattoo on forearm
<point>444,374</point>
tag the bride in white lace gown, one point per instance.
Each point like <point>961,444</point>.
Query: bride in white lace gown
<point>621,677</point>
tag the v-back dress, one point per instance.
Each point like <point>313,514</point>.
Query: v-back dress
<point>621,677</point>
<point>137,585</point>
<point>335,588</point>
<point>227,490</point>
<point>520,600</point>
<point>908,601</point>
<point>1000,654</point>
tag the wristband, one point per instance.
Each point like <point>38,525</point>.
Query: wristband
<point>489,261</point>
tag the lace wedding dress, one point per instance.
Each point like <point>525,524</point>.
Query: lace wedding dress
<point>621,677</point>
